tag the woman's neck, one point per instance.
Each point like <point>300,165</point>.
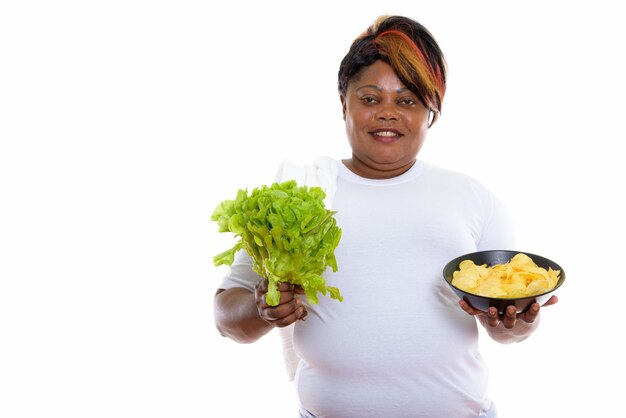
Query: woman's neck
<point>362,169</point>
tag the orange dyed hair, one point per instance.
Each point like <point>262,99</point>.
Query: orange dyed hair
<point>409,48</point>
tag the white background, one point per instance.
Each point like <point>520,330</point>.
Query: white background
<point>124,123</point>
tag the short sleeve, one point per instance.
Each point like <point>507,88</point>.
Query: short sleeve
<point>240,273</point>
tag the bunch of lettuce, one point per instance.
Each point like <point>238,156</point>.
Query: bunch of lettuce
<point>289,234</point>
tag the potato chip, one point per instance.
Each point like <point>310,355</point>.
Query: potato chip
<point>519,277</point>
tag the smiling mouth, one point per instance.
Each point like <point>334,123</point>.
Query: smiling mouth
<point>386,136</point>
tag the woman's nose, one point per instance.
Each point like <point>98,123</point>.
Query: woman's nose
<point>387,112</point>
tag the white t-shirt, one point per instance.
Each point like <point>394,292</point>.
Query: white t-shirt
<point>398,345</point>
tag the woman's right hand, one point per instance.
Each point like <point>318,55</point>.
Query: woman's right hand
<point>289,309</point>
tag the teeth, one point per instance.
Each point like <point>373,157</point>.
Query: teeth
<point>386,133</point>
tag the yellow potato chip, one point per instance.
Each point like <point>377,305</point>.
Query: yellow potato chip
<point>519,277</point>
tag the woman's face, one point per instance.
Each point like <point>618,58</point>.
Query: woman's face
<point>386,123</point>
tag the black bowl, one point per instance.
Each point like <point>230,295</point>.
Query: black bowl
<point>492,257</point>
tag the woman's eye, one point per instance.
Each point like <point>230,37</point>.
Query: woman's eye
<point>368,100</point>
<point>407,101</point>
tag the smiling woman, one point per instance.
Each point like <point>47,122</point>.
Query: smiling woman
<point>408,347</point>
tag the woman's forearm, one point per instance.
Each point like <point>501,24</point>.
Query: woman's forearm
<point>237,317</point>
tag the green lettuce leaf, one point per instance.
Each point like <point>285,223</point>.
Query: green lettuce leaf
<point>289,234</point>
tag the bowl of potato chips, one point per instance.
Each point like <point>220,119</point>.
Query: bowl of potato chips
<point>503,277</point>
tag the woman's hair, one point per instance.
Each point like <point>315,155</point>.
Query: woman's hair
<point>409,48</point>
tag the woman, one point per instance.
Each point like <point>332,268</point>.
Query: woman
<point>401,344</point>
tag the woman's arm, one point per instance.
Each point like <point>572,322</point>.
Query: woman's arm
<point>237,317</point>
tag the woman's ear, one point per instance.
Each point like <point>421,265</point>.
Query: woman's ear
<point>343,105</point>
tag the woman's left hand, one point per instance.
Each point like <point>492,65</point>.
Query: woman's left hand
<point>510,316</point>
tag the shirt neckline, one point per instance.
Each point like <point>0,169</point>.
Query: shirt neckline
<point>412,173</point>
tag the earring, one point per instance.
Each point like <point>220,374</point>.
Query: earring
<point>432,117</point>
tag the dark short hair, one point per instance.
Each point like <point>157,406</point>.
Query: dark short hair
<point>409,48</point>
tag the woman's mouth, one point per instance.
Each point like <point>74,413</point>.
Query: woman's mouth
<point>386,135</point>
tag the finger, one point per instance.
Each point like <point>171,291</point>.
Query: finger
<point>553,299</point>
<point>284,287</point>
<point>300,314</point>
<point>469,308</point>
<point>286,291</point>
<point>531,313</point>
<point>273,313</point>
<point>263,286</point>
<point>510,317</point>
<point>493,319</point>
<point>287,296</point>
<point>285,299</point>
<point>285,315</point>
